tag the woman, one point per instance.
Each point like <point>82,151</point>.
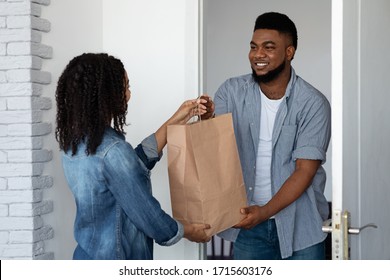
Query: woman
<point>117,217</point>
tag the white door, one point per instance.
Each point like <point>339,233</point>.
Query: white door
<point>360,128</point>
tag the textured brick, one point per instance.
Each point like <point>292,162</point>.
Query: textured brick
<point>25,75</point>
<point>23,116</point>
<point>19,21</point>
<point>4,237</point>
<point>20,8</point>
<point>41,103</point>
<point>3,104</point>
<point>42,2</point>
<point>2,22</point>
<point>30,209</point>
<point>16,143</point>
<point>21,169</point>
<point>3,156</point>
<point>44,256</point>
<point>28,103</point>
<point>39,182</point>
<point>27,48</point>
<point>27,156</point>
<point>36,129</point>
<point>21,236</point>
<point>28,22</point>
<point>20,223</point>
<point>3,78</point>
<point>22,250</point>
<point>8,117</point>
<point>3,210</point>
<point>41,234</point>
<point>40,24</point>
<point>22,156</point>
<point>3,49</point>
<point>3,130</point>
<point>3,183</point>
<point>17,35</point>
<point>40,129</point>
<point>20,89</point>
<point>15,196</point>
<point>19,103</point>
<point>20,62</point>
<point>19,48</point>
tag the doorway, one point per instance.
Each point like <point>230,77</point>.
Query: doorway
<point>227,31</point>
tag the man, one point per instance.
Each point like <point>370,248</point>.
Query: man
<point>282,127</point>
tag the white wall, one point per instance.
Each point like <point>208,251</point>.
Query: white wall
<point>228,30</point>
<point>157,41</point>
<point>76,27</point>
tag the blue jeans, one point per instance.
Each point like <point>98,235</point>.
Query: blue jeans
<point>262,243</point>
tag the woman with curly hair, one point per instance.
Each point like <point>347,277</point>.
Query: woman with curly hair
<point>117,217</point>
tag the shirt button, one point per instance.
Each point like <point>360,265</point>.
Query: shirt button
<point>250,188</point>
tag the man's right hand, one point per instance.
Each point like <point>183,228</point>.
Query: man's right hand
<point>210,107</point>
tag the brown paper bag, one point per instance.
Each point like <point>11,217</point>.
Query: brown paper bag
<point>205,176</point>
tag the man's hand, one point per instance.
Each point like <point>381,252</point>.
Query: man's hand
<point>210,107</point>
<point>254,215</point>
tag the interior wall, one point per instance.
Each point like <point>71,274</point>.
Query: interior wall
<point>158,43</point>
<point>228,28</point>
<point>75,28</point>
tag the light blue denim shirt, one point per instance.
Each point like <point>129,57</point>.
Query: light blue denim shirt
<point>301,131</point>
<point>117,216</point>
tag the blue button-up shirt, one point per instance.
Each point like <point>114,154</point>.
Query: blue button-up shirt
<point>301,131</point>
<point>117,216</point>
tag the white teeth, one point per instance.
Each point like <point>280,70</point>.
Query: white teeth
<point>261,64</point>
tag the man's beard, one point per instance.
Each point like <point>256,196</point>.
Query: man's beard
<point>270,76</point>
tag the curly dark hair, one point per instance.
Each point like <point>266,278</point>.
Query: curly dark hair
<point>90,95</point>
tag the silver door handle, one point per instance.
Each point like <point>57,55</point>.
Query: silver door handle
<point>340,228</point>
<point>327,228</point>
<point>358,230</point>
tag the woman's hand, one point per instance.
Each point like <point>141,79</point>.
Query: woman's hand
<point>187,110</point>
<point>196,232</point>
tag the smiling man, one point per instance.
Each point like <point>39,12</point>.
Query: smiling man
<point>282,127</point>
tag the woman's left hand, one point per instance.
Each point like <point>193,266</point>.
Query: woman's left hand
<point>189,109</point>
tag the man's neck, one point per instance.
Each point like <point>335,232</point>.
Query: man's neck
<point>276,88</point>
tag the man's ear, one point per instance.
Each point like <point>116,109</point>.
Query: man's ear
<point>290,52</point>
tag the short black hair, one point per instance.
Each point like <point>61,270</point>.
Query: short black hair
<point>279,22</point>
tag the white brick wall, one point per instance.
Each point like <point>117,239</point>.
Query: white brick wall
<point>23,156</point>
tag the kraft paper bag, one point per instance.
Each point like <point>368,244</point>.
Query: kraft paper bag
<point>205,176</point>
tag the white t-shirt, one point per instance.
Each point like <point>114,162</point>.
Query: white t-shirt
<point>262,192</point>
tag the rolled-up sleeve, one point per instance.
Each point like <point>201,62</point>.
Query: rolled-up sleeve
<point>147,151</point>
<point>314,132</point>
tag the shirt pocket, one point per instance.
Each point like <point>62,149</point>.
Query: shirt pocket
<point>286,141</point>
